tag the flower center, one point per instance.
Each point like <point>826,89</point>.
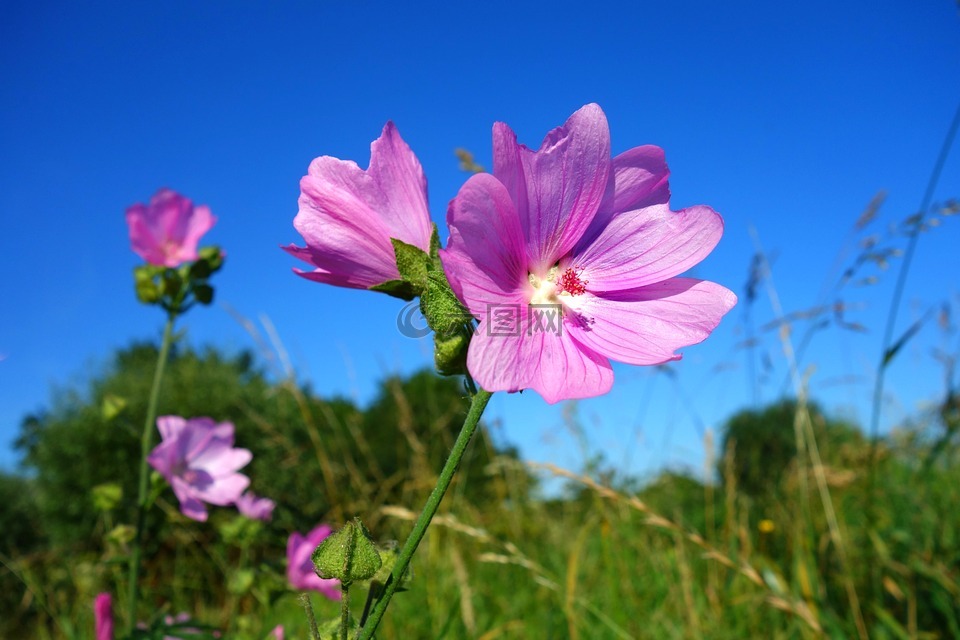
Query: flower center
<point>570,283</point>
<point>549,289</point>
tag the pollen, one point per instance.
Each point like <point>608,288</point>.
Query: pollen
<point>571,283</point>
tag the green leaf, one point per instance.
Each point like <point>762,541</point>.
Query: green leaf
<point>396,288</point>
<point>203,293</point>
<point>240,581</point>
<point>411,263</point>
<point>107,496</point>
<point>213,256</point>
<point>435,248</point>
<point>112,406</point>
<point>907,335</point>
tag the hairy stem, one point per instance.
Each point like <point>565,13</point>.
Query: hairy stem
<point>478,404</point>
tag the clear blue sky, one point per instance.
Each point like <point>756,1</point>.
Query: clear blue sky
<point>787,117</point>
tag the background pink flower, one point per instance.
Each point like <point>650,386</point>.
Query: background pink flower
<point>103,616</point>
<point>199,461</point>
<point>255,507</point>
<point>166,232</point>
<point>585,249</point>
<point>347,215</point>
<point>300,571</point>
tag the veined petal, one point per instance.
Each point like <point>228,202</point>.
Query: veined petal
<point>395,168</point>
<point>348,215</point>
<point>639,178</point>
<point>643,247</point>
<point>558,188</point>
<point>551,364</point>
<point>645,326</point>
<point>485,259</point>
<point>345,273</point>
<point>339,220</point>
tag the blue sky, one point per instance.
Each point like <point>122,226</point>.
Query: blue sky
<point>784,117</point>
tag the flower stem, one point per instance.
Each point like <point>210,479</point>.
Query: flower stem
<point>146,442</point>
<point>311,618</point>
<point>478,404</point>
<point>344,610</point>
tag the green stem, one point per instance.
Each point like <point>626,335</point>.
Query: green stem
<point>146,443</point>
<point>477,406</point>
<point>344,610</point>
<point>311,618</point>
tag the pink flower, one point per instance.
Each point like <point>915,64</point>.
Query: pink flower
<point>255,507</point>
<point>199,461</point>
<point>277,632</point>
<point>300,571</point>
<point>569,258</point>
<point>103,616</point>
<point>348,216</point>
<point>166,231</point>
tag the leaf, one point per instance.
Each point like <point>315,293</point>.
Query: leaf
<point>396,288</point>
<point>112,406</point>
<point>890,353</point>
<point>411,263</point>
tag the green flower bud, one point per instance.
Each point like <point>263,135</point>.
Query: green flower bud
<point>347,555</point>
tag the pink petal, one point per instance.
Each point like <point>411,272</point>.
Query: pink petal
<point>558,188</point>
<point>553,365</point>
<point>485,259</point>
<point>352,275</point>
<point>103,616</point>
<point>142,238</point>
<point>348,216</point>
<point>197,225</point>
<point>190,504</point>
<point>645,326</point>
<point>225,490</point>
<point>164,457</point>
<point>339,220</point>
<point>170,426</point>
<point>639,178</point>
<point>395,168</point>
<point>640,248</point>
<point>223,462</point>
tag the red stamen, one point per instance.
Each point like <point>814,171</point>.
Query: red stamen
<point>571,283</point>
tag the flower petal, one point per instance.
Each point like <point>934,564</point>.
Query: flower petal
<point>485,259</point>
<point>639,178</point>
<point>190,503</point>
<point>645,326</point>
<point>170,426</point>
<point>224,490</point>
<point>338,219</point>
<point>643,247</point>
<point>348,216</point>
<point>553,365</point>
<point>395,168</point>
<point>558,188</point>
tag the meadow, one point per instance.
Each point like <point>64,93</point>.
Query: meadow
<point>800,526</point>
